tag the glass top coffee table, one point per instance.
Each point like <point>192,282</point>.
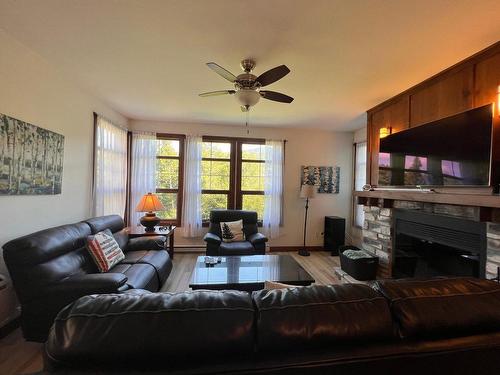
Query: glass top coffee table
<point>248,273</point>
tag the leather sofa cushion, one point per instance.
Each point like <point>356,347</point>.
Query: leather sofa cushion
<point>146,243</point>
<point>45,257</point>
<point>159,259</point>
<point>122,238</point>
<point>443,307</point>
<point>236,248</point>
<point>112,222</point>
<point>140,276</point>
<point>156,329</point>
<point>297,318</point>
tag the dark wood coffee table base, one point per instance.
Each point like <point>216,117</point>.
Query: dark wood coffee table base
<point>248,273</point>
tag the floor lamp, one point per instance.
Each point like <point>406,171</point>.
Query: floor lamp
<point>307,192</point>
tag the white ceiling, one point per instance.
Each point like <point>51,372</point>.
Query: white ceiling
<point>146,58</point>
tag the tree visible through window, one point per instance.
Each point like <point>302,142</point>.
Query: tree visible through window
<point>251,188</point>
<point>216,171</point>
<point>232,175</point>
<point>169,176</point>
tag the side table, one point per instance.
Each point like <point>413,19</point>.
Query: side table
<point>138,231</point>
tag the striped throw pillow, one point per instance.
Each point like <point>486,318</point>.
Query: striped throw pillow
<point>104,250</point>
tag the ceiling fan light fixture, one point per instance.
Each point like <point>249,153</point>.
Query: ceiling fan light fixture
<point>247,97</point>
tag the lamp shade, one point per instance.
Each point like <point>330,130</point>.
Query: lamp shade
<point>148,203</point>
<point>307,191</point>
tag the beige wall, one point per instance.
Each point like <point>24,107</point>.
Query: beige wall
<point>303,147</point>
<point>32,91</point>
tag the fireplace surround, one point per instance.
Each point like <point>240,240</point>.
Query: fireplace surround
<point>378,234</point>
<point>427,245</point>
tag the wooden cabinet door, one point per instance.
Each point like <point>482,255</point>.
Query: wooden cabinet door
<point>487,81</point>
<point>394,116</point>
<point>448,96</point>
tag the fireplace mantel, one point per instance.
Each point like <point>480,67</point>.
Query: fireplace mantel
<point>476,200</point>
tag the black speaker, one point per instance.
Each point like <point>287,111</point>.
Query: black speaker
<point>334,234</point>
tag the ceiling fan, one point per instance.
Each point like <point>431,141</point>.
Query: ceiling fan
<point>248,86</point>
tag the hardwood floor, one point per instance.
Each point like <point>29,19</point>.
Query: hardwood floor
<point>18,356</point>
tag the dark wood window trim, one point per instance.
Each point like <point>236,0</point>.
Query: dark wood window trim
<point>235,194</point>
<point>180,188</point>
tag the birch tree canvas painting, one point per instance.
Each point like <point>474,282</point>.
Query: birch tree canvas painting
<point>31,158</point>
<point>326,179</point>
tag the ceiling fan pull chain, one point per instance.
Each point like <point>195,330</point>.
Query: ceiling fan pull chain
<point>246,125</point>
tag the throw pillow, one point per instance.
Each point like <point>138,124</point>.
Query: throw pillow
<point>232,231</point>
<point>104,250</point>
<point>270,285</point>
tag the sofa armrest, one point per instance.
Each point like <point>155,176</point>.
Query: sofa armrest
<point>256,238</point>
<point>146,243</point>
<point>92,283</point>
<point>212,238</point>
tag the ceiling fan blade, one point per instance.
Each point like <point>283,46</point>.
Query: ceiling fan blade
<point>221,71</point>
<point>273,75</point>
<point>276,96</point>
<point>216,93</point>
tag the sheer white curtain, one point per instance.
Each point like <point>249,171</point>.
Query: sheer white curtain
<point>191,221</point>
<point>359,180</point>
<point>273,187</point>
<point>110,169</point>
<point>143,171</point>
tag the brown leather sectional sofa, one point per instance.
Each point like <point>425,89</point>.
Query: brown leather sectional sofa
<point>438,326</point>
<point>52,268</point>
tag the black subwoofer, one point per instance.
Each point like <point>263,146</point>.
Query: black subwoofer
<point>334,234</point>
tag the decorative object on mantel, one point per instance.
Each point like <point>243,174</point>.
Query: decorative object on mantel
<point>325,178</point>
<point>150,203</point>
<point>31,159</point>
<point>307,192</point>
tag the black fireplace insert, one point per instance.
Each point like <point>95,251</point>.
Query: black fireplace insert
<point>427,245</point>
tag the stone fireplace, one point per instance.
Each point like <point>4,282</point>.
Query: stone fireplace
<point>422,235</point>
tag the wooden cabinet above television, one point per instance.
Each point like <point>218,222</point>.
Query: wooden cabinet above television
<point>469,84</point>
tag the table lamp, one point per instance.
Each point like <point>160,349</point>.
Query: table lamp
<point>149,203</point>
<point>307,192</point>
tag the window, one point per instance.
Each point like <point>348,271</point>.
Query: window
<point>232,175</point>
<point>250,192</point>
<point>217,169</point>
<point>169,176</point>
<point>359,180</point>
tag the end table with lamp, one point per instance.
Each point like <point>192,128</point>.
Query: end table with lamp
<point>150,203</point>
<point>167,231</point>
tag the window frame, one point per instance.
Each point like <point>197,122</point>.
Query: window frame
<point>180,187</point>
<point>235,193</point>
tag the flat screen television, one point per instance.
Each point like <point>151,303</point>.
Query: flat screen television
<point>454,151</point>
